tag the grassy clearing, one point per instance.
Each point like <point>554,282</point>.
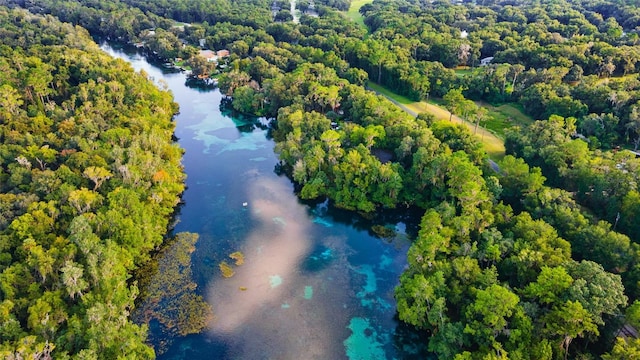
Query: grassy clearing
<point>504,116</point>
<point>183,64</point>
<point>619,78</point>
<point>493,144</point>
<point>354,11</point>
<point>463,70</point>
<point>384,91</point>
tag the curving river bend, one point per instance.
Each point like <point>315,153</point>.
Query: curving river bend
<point>316,284</point>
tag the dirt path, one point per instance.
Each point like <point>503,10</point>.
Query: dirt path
<point>492,144</point>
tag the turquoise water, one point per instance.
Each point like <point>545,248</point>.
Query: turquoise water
<point>315,283</point>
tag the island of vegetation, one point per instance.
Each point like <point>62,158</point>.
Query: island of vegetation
<point>533,256</point>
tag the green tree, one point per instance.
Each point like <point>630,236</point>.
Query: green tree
<point>420,300</point>
<point>489,313</point>
<point>83,200</point>
<point>550,286</point>
<point>569,321</point>
<point>10,102</point>
<point>98,175</point>
<point>201,67</point>
<point>624,349</point>
<point>453,100</point>
<point>600,293</point>
<point>72,279</point>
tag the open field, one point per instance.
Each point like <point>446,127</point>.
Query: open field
<point>504,116</point>
<point>463,70</point>
<point>354,11</point>
<point>492,143</point>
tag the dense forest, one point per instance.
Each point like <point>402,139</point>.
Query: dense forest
<point>89,179</point>
<point>535,258</point>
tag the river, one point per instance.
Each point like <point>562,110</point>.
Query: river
<point>316,283</point>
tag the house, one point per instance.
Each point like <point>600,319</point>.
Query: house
<point>209,55</point>
<point>202,42</point>
<point>486,61</point>
<point>222,53</point>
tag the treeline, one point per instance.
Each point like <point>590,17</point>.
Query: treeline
<point>572,59</point>
<point>341,141</point>
<point>536,249</point>
<point>552,58</point>
<point>604,182</point>
<point>89,178</point>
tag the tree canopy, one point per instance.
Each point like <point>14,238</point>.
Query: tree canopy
<point>89,176</point>
<point>536,258</point>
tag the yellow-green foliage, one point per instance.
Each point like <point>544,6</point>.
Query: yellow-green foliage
<point>93,133</point>
<point>238,257</point>
<point>226,270</point>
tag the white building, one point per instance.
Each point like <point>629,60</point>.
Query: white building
<point>486,61</point>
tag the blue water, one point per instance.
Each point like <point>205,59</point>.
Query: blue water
<point>315,283</point>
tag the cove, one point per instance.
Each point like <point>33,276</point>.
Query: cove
<point>316,283</point>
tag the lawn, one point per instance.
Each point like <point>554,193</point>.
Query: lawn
<point>503,117</point>
<point>493,144</point>
<point>384,91</point>
<point>607,80</point>
<point>354,11</point>
<point>463,70</point>
<point>183,64</point>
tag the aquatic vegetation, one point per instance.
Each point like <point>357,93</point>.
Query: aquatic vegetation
<point>238,257</point>
<point>275,281</point>
<point>246,141</point>
<point>371,281</point>
<point>322,221</point>
<point>319,259</point>
<point>226,269</point>
<point>383,231</point>
<point>203,130</point>
<point>280,221</point>
<point>367,295</point>
<point>363,344</point>
<point>308,292</point>
<point>168,291</point>
<point>385,261</point>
